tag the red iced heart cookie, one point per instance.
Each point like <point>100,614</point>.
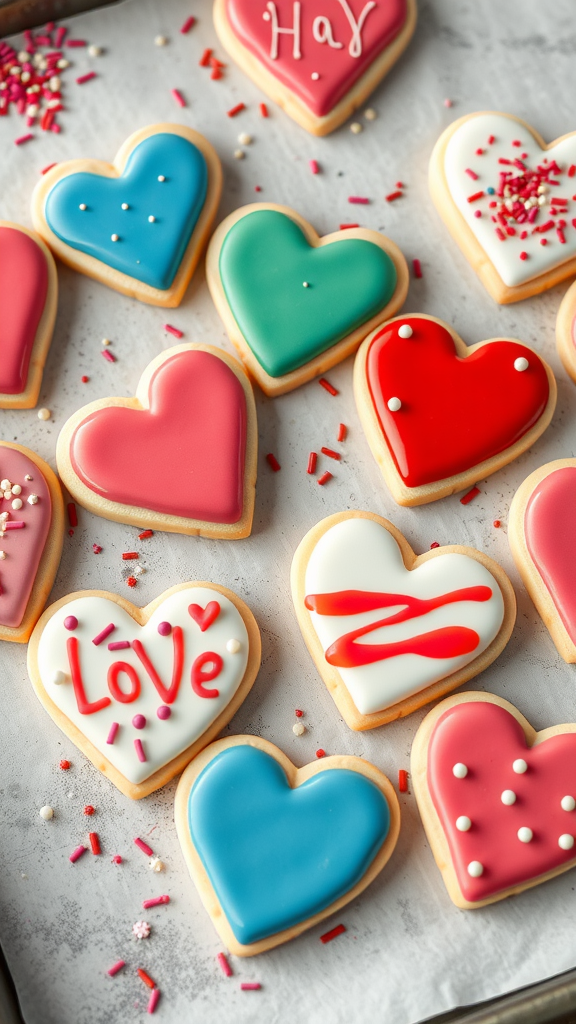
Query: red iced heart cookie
<point>204,617</point>
<point>318,59</point>
<point>181,456</point>
<point>542,535</point>
<point>497,799</point>
<point>28,299</point>
<point>439,415</point>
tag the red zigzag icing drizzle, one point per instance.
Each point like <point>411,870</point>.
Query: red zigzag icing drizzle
<point>447,642</point>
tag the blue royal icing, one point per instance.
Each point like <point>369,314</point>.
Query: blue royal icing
<point>275,855</point>
<point>151,252</point>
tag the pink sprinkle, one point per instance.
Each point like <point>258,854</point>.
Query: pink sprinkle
<point>23,139</point>
<point>112,734</point>
<point>108,355</point>
<point>561,237</point>
<point>491,140</point>
<point>471,174</point>
<point>156,902</point>
<point>448,103</point>
<point>469,496</point>
<point>119,645</point>
<point>153,1001</point>
<point>60,33</point>
<point>144,847</point>
<point>116,967</point>
<point>417,268</point>
<point>178,97</point>
<point>14,524</point>
<point>187,25</point>
<point>105,632</point>
<point>314,167</point>
<point>75,42</point>
<point>77,853</point>
<point>225,966</point>
<point>139,750</point>
<point>250,986</point>
<point>47,168</point>
<point>85,78</point>
<point>358,199</point>
<point>174,331</point>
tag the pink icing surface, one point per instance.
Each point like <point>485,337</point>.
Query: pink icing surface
<point>23,547</point>
<point>488,739</point>
<point>550,531</point>
<point>336,68</point>
<point>23,290</point>
<point>184,456</point>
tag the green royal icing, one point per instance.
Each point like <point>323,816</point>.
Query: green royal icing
<point>264,261</point>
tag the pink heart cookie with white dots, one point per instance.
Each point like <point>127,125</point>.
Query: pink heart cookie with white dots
<point>497,799</point>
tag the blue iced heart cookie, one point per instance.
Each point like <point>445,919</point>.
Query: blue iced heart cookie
<point>275,855</point>
<point>141,222</point>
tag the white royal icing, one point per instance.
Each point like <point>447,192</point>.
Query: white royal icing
<point>359,554</point>
<point>461,155</point>
<point>190,716</point>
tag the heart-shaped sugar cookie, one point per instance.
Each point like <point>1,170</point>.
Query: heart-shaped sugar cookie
<point>507,199</point>
<point>28,301</point>
<point>542,535</point>
<point>180,456</point>
<point>318,59</point>
<point>497,799</point>
<point>274,849</point>
<point>388,630</point>
<point>142,690</point>
<point>295,304</point>
<point>566,331</point>
<point>438,415</point>
<point>138,225</point>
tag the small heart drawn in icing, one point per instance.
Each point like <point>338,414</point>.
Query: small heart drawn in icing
<point>389,631</point>
<point>204,616</point>
<point>496,798</point>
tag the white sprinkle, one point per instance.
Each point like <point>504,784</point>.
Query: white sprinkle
<point>114,238</point>
<point>508,797</point>
<point>475,869</point>
<point>27,477</point>
<point>161,177</point>
<point>16,489</point>
<point>5,485</point>
<point>151,219</point>
<point>298,728</point>
<point>460,770</point>
<point>58,677</point>
<point>155,864</point>
<point>566,841</point>
<point>32,499</point>
<point>355,128</point>
<point>82,206</point>
<point>244,139</point>
<point>521,364</point>
<point>160,41</point>
<point>314,76</point>
<point>305,284</point>
<point>46,813</point>
<point>266,16</point>
<point>17,504</point>
<point>463,823</point>
<point>370,114</point>
<point>94,51</point>
<point>405,331</point>
<point>8,494</point>
<point>125,206</point>
<point>525,834</point>
<point>239,154</point>
<point>106,342</point>
<point>63,63</point>
<point>44,414</point>
<point>54,83</point>
<point>568,803</point>
<point>233,646</point>
<point>394,404</point>
<point>520,766</point>
<point>2,555</point>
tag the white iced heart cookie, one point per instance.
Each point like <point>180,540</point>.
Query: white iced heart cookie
<point>507,199</point>
<point>142,691</point>
<point>390,631</point>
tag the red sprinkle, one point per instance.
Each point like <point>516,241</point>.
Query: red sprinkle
<point>471,174</point>
<point>491,140</point>
<point>75,42</point>
<point>358,199</point>
<point>312,463</point>
<point>393,195</point>
<point>561,237</point>
<point>475,196</point>
<point>174,331</point>
<point>108,355</point>
<point>72,514</point>
<point>273,462</point>
<point>342,431</point>
<point>434,544</point>
<point>402,780</point>
<point>215,74</point>
<point>470,496</point>
<point>145,978</point>
<point>345,227</point>
<point>497,523</point>
<point>523,255</point>
<point>128,555</point>
<point>144,847</point>
<point>320,752</point>
<point>224,965</point>
<point>84,379</point>
<point>178,97</point>
<point>116,859</point>
<point>417,268</point>
<point>328,386</point>
<point>131,581</point>
<point>94,842</point>
<point>96,549</point>
<point>89,810</point>
<point>298,713</point>
<point>205,58</point>
<point>84,78</point>
<point>263,110</point>
<point>47,168</point>
<point>333,933</point>
<point>331,454</point>
<point>188,25</point>
<point>324,478</point>
<point>314,166</point>
<point>236,110</point>
<point>65,765</point>
<point>145,534</point>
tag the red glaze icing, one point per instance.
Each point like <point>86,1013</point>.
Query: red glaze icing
<point>184,456</point>
<point>448,642</point>
<point>336,67</point>
<point>204,617</point>
<point>85,707</point>
<point>23,547</point>
<point>456,412</point>
<point>488,739</point>
<point>199,676</point>
<point>167,694</point>
<point>23,291</point>
<point>550,531</point>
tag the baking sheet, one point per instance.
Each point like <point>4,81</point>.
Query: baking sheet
<point>407,953</point>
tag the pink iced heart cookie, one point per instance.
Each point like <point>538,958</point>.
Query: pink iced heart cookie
<point>318,59</point>
<point>142,690</point>
<point>507,199</point>
<point>180,456</point>
<point>497,799</point>
<point>542,535</point>
<point>31,533</point>
<point>389,630</point>
<point>28,300</point>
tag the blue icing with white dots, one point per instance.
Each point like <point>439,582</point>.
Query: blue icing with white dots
<point>275,855</point>
<point>150,251</point>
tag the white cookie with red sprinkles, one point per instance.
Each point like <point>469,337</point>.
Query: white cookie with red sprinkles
<point>509,200</point>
